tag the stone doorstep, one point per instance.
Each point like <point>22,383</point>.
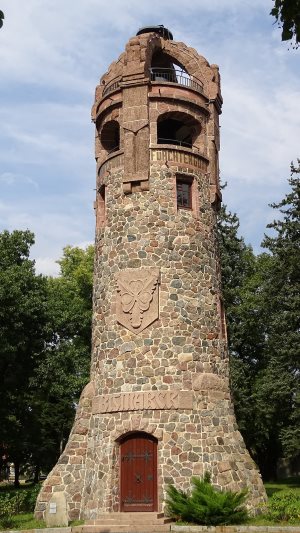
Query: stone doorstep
<point>111,521</point>
<point>129,518</point>
<point>173,528</point>
<point>123,528</point>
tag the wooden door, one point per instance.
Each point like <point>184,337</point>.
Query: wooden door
<point>139,473</point>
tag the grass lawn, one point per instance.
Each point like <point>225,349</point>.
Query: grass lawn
<point>25,521</point>
<point>285,484</point>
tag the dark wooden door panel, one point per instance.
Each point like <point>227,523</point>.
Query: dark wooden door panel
<point>139,473</point>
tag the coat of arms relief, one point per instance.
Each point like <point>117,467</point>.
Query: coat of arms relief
<point>137,298</point>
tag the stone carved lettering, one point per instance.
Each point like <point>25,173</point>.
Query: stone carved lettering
<point>141,401</point>
<point>162,400</point>
<point>117,402</point>
<point>104,403</point>
<point>151,400</point>
<point>177,156</point>
<point>137,298</point>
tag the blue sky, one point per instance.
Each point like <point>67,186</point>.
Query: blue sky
<point>52,54</point>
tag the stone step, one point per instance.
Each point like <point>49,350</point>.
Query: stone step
<point>131,514</point>
<point>122,528</point>
<point>129,518</point>
<point>109,521</point>
<point>121,521</point>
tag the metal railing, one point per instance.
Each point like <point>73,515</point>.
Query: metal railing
<point>111,86</point>
<point>159,74</point>
<point>175,75</point>
<point>115,149</point>
<point>176,142</point>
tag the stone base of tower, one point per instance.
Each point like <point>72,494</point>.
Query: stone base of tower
<point>189,442</point>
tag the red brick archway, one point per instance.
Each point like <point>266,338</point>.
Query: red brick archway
<point>138,461</point>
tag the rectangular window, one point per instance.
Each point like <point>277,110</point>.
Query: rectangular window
<point>100,220</point>
<point>223,320</point>
<point>184,192</point>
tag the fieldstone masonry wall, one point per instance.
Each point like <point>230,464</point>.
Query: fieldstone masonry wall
<point>159,361</point>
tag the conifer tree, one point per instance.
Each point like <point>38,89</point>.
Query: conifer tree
<point>281,384</point>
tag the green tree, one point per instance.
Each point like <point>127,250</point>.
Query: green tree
<point>23,319</point>
<point>64,370</point>
<point>45,332</point>
<point>242,274</point>
<point>287,14</point>
<point>283,296</point>
<point>238,269</point>
<point>262,307</point>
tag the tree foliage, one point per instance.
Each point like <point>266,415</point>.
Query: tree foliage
<point>283,297</point>
<point>63,372</point>
<point>287,14</point>
<point>23,333</point>
<point>45,331</point>
<point>241,282</point>
<point>262,303</point>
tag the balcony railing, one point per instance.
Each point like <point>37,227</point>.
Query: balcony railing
<point>176,142</point>
<point>175,75</point>
<point>111,86</point>
<point>169,75</point>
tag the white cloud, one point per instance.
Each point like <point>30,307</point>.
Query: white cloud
<point>46,266</point>
<point>52,145</point>
<point>260,131</point>
<point>10,178</point>
<point>51,57</point>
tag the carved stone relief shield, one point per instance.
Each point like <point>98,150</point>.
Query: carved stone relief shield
<point>137,298</point>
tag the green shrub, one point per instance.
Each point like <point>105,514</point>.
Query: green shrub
<point>284,505</point>
<point>8,508</point>
<point>31,495</point>
<point>206,505</point>
<point>16,501</point>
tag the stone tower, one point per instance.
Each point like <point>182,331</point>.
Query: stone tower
<point>157,409</point>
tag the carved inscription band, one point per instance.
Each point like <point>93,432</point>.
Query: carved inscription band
<point>179,157</point>
<point>135,401</point>
<point>158,155</point>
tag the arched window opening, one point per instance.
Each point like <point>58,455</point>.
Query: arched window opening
<point>165,69</point>
<point>177,128</point>
<point>110,136</point>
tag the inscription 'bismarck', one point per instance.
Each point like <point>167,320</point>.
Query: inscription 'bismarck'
<point>134,401</point>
